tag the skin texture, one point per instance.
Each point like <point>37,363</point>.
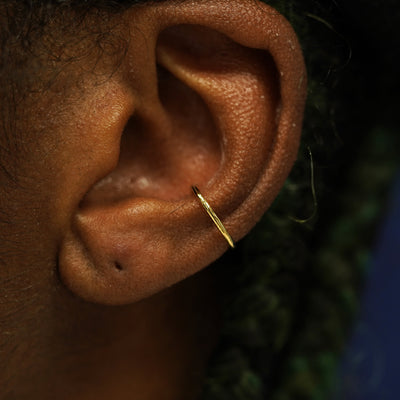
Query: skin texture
<point>252,104</point>
<point>103,220</point>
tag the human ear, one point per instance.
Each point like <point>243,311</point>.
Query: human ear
<point>212,95</point>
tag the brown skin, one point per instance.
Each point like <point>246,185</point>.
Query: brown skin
<point>103,211</point>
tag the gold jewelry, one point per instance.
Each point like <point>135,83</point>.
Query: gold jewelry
<point>214,217</point>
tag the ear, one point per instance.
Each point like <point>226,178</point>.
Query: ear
<point>212,95</point>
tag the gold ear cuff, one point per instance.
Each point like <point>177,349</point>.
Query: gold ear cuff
<point>214,217</point>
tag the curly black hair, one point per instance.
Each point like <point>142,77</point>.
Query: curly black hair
<point>290,302</point>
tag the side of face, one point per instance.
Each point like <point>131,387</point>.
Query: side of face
<point>115,126</point>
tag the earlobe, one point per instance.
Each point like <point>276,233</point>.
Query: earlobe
<point>218,103</point>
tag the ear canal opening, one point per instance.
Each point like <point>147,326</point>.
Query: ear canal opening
<point>163,155</point>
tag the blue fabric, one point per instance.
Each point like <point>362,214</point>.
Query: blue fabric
<point>370,369</point>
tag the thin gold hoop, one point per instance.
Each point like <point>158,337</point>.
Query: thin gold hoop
<point>214,217</point>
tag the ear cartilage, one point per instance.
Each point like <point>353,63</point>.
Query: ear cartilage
<point>214,217</point>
